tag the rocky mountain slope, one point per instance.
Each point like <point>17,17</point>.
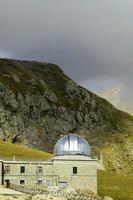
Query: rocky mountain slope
<point>39,104</point>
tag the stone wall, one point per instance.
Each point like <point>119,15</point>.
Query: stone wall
<point>86,177</point>
<point>55,173</point>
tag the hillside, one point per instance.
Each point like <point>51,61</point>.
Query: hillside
<point>39,104</point>
<point>119,187</point>
<point>10,151</point>
<point>114,95</point>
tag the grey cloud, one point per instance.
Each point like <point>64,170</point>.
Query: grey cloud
<point>91,39</point>
<point>5,54</point>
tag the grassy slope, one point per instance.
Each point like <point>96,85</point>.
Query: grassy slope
<point>8,150</point>
<point>117,186</point>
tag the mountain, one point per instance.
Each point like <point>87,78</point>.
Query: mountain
<point>114,95</point>
<point>39,104</point>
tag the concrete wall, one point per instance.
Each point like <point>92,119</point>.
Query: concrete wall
<point>31,175</point>
<point>86,177</point>
<point>58,172</point>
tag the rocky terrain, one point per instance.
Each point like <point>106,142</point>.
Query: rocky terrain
<point>39,104</point>
<point>44,197</point>
<point>55,194</point>
<point>29,197</point>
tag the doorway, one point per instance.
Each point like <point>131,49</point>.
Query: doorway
<point>7,183</point>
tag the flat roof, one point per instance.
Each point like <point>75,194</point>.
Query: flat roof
<point>27,162</point>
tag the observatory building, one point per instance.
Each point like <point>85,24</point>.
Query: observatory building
<point>71,166</point>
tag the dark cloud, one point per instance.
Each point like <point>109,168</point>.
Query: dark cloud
<point>90,40</point>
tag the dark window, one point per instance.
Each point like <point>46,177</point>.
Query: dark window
<point>74,170</point>
<point>39,182</point>
<point>7,169</point>
<point>22,182</point>
<point>39,169</point>
<point>22,169</point>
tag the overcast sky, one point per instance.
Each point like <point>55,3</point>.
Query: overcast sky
<point>91,40</point>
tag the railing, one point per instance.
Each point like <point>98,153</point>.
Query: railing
<point>42,190</point>
<point>28,189</point>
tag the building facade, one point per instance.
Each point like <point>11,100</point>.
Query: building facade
<point>71,166</point>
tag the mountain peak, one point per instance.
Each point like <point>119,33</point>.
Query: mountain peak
<point>38,103</point>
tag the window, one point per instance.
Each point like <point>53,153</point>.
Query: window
<point>22,182</point>
<point>7,169</point>
<point>39,169</point>
<point>39,182</point>
<point>62,184</point>
<point>22,169</point>
<point>48,183</point>
<point>74,170</point>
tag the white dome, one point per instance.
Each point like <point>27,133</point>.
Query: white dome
<point>72,144</point>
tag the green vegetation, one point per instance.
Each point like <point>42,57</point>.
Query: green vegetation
<point>39,99</point>
<point>8,150</point>
<point>118,187</point>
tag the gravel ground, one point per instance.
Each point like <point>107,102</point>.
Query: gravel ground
<point>8,194</point>
<point>28,197</point>
<point>8,191</point>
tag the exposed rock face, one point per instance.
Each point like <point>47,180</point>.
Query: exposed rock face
<point>38,103</point>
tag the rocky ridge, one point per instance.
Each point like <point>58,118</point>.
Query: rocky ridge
<point>39,104</point>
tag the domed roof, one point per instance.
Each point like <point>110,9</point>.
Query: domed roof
<point>72,144</point>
